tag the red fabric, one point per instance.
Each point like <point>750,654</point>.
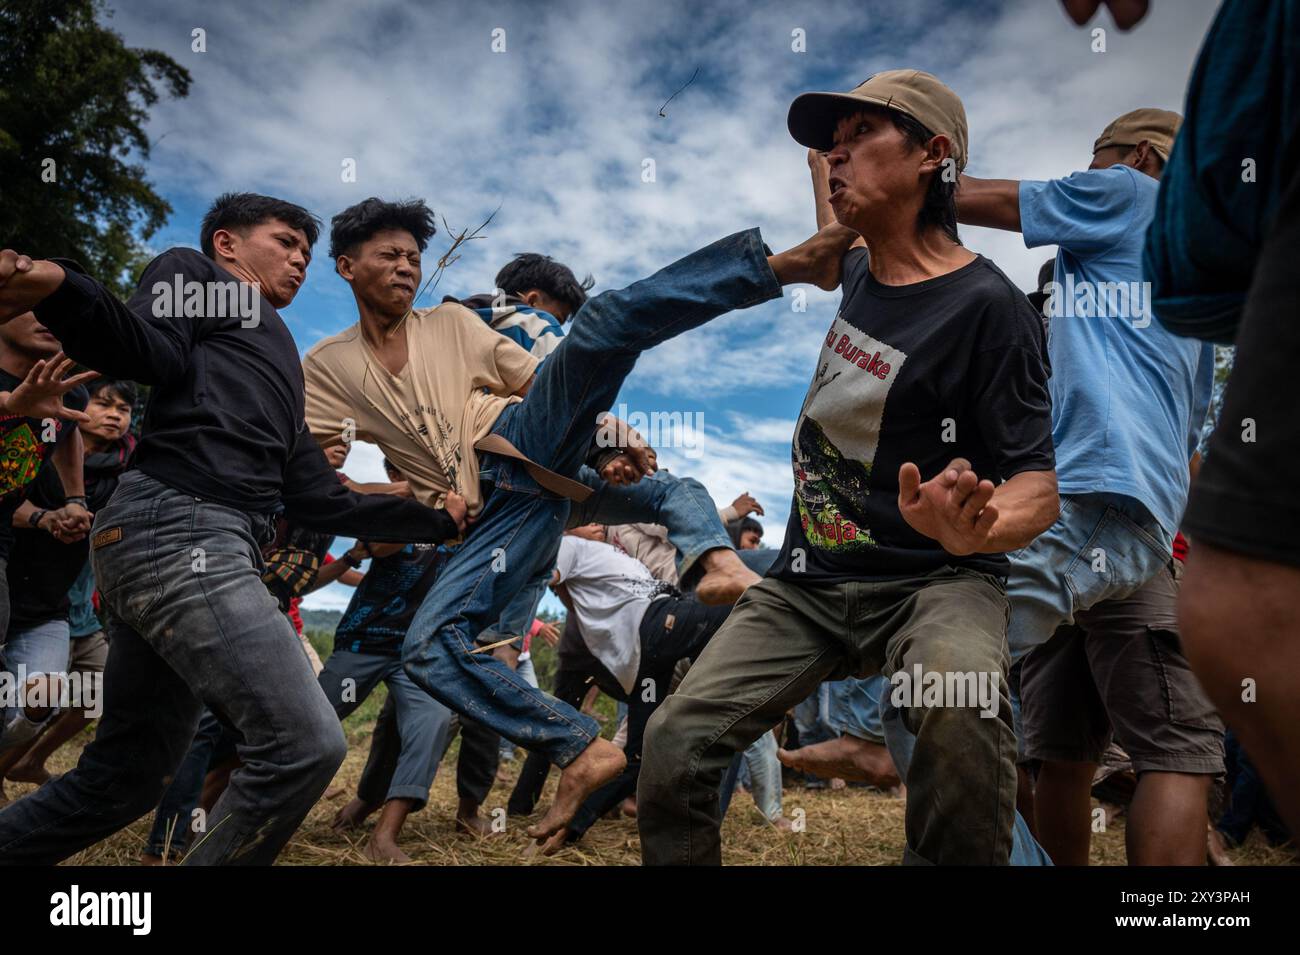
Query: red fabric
<point>294,616</point>
<point>1180,548</point>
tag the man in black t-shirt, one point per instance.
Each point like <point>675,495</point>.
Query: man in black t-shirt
<point>935,366</point>
<point>191,623</point>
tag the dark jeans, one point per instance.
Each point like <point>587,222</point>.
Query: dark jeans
<point>671,629</point>
<point>190,625</point>
<point>554,426</point>
<point>173,821</point>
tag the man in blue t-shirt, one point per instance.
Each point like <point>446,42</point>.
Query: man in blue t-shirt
<point>1128,401</point>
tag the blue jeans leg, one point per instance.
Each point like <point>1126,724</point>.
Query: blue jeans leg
<point>40,650</point>
<point>488,570</point>
<point>580,380</point>
<point>855,707</point>
<point>172,821</point>
<point>681,504</point>
<point>765,775</point>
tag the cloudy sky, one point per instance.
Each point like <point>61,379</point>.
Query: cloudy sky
<point>556,130</point>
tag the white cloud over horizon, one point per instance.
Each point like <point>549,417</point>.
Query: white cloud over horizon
<point>554,131</point>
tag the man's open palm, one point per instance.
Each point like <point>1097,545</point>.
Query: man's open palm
<point>952,507</point>
<point>40,395</point>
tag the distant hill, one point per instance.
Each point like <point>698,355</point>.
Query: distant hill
<point>325,620</point>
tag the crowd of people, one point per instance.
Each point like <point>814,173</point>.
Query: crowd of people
<point>979,602</point>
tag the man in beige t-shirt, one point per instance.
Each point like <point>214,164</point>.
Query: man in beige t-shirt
<point>429,385</point>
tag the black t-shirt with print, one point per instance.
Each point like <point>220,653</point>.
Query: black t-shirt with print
<point>387,598</point>
<point>954,366</point>
<point>24,448</point>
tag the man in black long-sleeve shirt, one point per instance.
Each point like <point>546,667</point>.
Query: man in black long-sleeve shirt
<point>175,552</point>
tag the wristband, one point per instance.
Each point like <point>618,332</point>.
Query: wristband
<point>76,499</point>
<point>36,518</point>
<point>351,561</point>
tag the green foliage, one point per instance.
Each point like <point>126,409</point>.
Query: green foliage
<point>72,92</point>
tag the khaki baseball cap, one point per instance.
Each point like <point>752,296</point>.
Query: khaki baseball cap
<point>1159,127</point>
<point>915,93</point>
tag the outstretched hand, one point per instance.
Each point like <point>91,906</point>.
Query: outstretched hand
<point>952,507</point>
<point>40,394</point>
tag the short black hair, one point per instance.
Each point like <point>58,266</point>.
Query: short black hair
<point>118,387</point>
<point>243,210</point>
<point>356,224</point>
<point>532,270</point>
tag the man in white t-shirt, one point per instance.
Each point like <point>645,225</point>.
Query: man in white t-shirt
<point>636,628</point>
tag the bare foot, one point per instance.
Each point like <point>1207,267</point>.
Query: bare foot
<point>385,851</point>
<point>474,825</point>
<point>782,823</point>
<point>148,858</point>
<point>846,758</point>
<point>1216,849</point>
<point>629,807</point>
<point>838,784</point>
<point>725,577</point>
<point>598,764</point>
<point>24,772</point>
<point>555,843</point>
<point>815,261</point>
<point>352,815</point>
<point>335,793</point>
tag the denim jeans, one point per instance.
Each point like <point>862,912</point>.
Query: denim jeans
<point>173,821</point>
<point>812,717</point>
<point>190,624</point>
<point>423,724</point>
<point>553,426</point>
<point>855,707</point>
<point>681,504</point>
<point>41,649</point>
<point>764,776</point>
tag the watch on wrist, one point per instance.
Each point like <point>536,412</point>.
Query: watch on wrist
<point>36,518</point>
<point>351,561</point>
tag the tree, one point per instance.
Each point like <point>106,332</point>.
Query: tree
<point>73,103</point>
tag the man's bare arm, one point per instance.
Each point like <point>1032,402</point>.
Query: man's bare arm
<point>1027,504</point>
<point>993,203</point>
<point>967,515</point>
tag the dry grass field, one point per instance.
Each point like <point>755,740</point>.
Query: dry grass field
<point>846,827</point>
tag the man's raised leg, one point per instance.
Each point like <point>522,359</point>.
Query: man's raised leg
<point>684,506</point>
